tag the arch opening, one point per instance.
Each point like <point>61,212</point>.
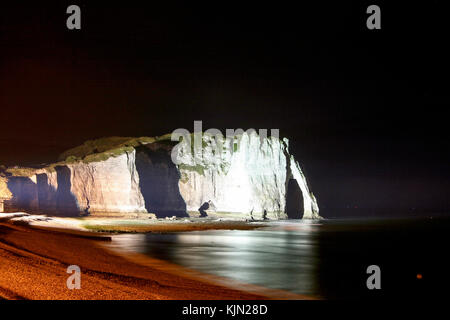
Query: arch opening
<point>294,200</point>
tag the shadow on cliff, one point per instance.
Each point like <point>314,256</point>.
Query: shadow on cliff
<point>24,196</point>
<point>41,197</point>
<point>158,181</point>
<point>66,203</point>
<point>294,200</point>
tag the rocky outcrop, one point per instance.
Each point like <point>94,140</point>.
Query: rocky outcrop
<point>251,177</point>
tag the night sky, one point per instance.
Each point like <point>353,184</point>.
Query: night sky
<point>365,110</point>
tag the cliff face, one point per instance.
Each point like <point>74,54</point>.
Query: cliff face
<point>253,176</point>
<point>111,185</point>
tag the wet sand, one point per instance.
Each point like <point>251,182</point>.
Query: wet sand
<point>33,264</point>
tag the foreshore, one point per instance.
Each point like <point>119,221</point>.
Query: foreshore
<point>34,261</point>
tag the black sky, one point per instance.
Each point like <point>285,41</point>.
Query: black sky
<point>365,110</point>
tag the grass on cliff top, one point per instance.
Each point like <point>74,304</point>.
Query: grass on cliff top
<point>104,148</point>
<point>21,171</point>
<point>101,145</point>
<point>90,151</point>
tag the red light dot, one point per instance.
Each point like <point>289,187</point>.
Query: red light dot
<point>419,276</point>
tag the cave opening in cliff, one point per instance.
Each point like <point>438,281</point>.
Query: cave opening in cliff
<point>294,200</point>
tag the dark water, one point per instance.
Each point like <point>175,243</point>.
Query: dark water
<point>326,259</point>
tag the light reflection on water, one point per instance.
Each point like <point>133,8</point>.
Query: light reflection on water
<point>327,259</point>
<point>283,256</point>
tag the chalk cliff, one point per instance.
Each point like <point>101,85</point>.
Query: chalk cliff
<point>250,176</point>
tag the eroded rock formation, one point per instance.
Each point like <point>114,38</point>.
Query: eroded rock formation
<point>249,178</point>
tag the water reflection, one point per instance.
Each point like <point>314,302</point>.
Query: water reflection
<point>283,256</point>
<point>326,259</point>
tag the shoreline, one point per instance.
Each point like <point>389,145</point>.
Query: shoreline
<point>139,224</point>
<point>34,261</point>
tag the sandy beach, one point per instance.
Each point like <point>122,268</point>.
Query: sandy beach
<point>33,264</point>
<point>35,252</point>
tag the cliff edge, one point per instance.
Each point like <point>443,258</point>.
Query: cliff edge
<point>255,177</point>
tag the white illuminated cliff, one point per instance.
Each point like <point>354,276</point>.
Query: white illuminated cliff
<point>248,178</point>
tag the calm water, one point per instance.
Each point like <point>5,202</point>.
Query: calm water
<point>326,259</point>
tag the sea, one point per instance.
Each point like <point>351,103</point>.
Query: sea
<point>327,259</point>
